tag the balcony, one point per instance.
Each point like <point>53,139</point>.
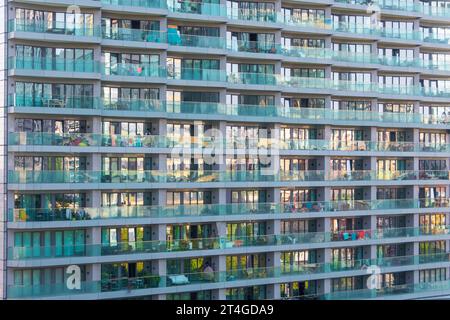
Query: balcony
<point>266,79</point>
<point>211,176</point>
<point>230,277</point>
<point>187,40</point>
<point>53,64</point>
<point>88,140</point>
<point>124,34</point>
<point>212,210</point>
<point>214,75</point>
<point>389,292</point>
<point>254,47</point>
<point>268,16</point>
<point>251,15</point>
<point>377,32</point>
<point>218,243</point>
<point>144,70</point>
<point>192,7</point>
<point>156,4</point>
<point>297,21</point>
<point>53,27</point>
<point>69,102</point>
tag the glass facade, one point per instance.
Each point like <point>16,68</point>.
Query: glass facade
<point>231,149</point>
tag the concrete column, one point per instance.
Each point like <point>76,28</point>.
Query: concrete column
<point>373,163</point>
<point>374,105</point>
<point>327,98</point>
<point>273,261</point>
<point>159,267</point>
<point>95,162</point>
<point>161,197</point>
<point>96,125</point>
<point>373,193</point>
<point>94,199</point>
<point>221,229</point>
<point>374,48</point>
<point>416,135</point>
<point>219,265</point>
<point>416,106</point>
<point>327,132</point>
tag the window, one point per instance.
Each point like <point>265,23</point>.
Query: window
<point>298,226</point>
<point>300,15</point>
<point>299,290</point>
<point>245,229</point>
<point>287,43</point>
<point>346,257</point>
<point>433,275</point>
<point>353,77</point>
<point>251,10</point>
<point>33,94</point>
<point>175,198</point>
<point>295,261</point>
<point>351,23</point>
<point>119,199</point>
<point>352,47</point>
<point>242,262</point>
<point>432,247</point>
<point>251,42</point>
<point>351,105</point>
<point>303,102</point>
<point>50,163</point>
<point>55,22</point>
<point>127,64</point>
<point>53,243</point>
<point>347,284</point>
<point>433,223</point>
<point>396,107</point>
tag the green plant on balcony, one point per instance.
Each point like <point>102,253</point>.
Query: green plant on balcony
<point>260,241</point>
<point>152,281</point>
<point>184,245</point>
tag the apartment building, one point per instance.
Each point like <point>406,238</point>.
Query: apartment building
<point>172,149</point>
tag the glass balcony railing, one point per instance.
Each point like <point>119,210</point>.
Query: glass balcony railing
<point>125,34</point>
<point>300,21</point>
<point>218,243</point>
<point>193,7</point>
<point>168,211</point>
<point>377,31</point>
<point>252,78</point>
<point>125,104</point>
<point>184,107</point>
<point>215,75</point>
<point>69,102</point>
<point>53,64</point>
<point>195,41</point>
<point>405,5</point>
<point>90,140</point>
<point>161,281</point>
<point>386,292</point>
<point>254,47</point>
<point>145,70</point>
<point>307,52</point>
<point>251,14</point>
<point>327,84</point>
<point>434,92</point>
<point>54,27</point>
<point>177,39</point>
<point>211,176</point>
<point>157,4</point>
<point>430,10</point>
<point>216,9</point>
